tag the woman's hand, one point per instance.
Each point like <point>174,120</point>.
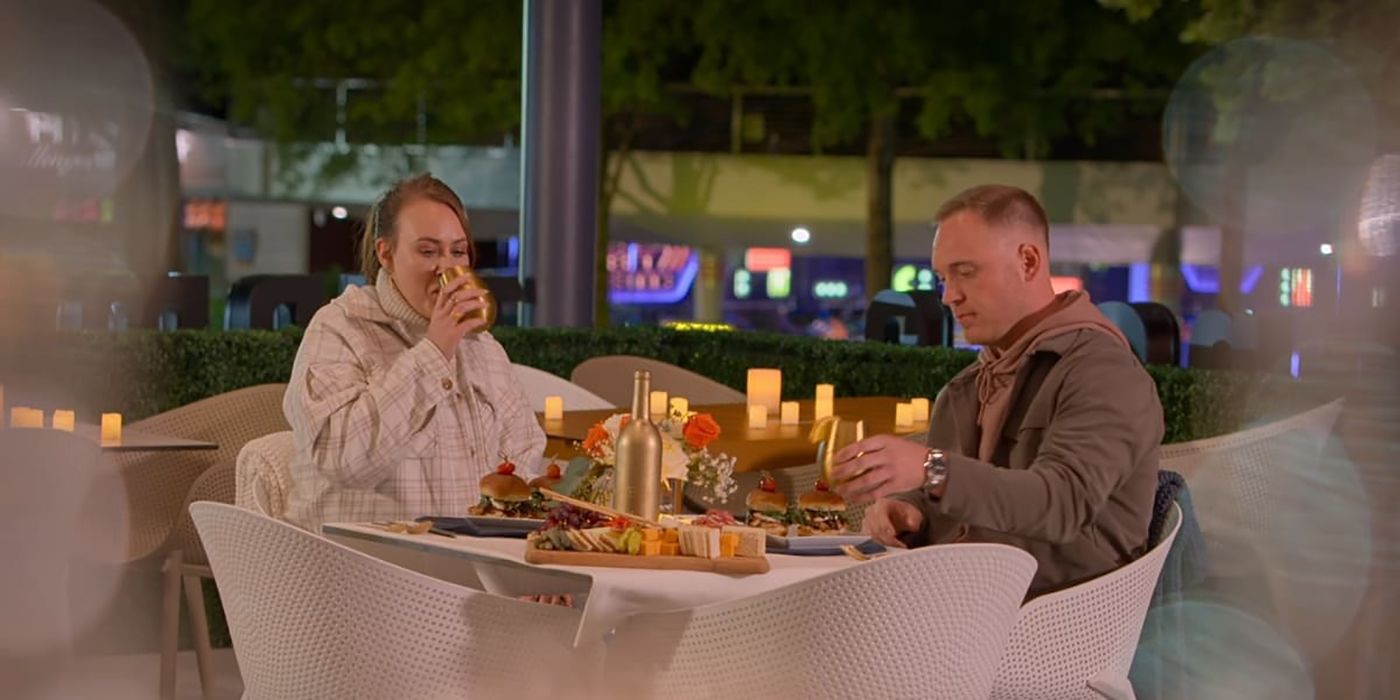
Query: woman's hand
<point>454,315</point>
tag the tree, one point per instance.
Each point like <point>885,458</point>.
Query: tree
<point>647,46</point>
<point>279,68</point>
<point>456,63</point>
<point>1021,74</point>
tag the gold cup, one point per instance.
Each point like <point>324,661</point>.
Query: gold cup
<point>833,438</point>
<point>473,282</point>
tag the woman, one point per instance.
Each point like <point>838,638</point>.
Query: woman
<point>398,408</point>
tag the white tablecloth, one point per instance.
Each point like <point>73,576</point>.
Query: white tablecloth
<point>612,594</point>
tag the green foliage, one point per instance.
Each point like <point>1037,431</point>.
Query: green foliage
<point>141,373</point>
<point>147,372</point>
<point>855,368</point>
<point>1022,73</point>
<point>261,56</point>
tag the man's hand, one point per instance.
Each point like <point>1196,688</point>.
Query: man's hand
<point>877,467</point>
<point>888,519</point>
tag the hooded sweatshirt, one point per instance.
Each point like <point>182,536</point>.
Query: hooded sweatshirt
<point>998,363</point>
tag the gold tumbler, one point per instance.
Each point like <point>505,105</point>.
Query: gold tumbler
<point>833,435</point>
<point>473,282</point>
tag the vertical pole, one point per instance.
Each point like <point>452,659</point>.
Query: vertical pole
<point>559,146</point>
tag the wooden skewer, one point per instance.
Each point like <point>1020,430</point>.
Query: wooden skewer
<point>554,496</point>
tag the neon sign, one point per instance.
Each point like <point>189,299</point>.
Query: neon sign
<point>830,289</point>
<point>906,278</point>
<point>650,273</point>
<point>766,259</point>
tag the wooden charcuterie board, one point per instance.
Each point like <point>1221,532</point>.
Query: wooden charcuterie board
<point>723,565</point>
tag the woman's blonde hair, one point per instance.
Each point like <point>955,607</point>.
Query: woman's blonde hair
<point>380,223</point>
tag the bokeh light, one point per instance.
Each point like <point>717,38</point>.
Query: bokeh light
<point>1275,134</point>
<point>76,105</point>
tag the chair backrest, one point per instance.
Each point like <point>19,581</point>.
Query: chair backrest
<point>1231,474</point>
<point>314,619</point>
<point>929,623</point>
<point>1240,449</point>
<point>1064,641</point>
<point>215,485</point>
<point>611,378</point>
<point>158,482</point>
<point>264,474</point>
<point>1243,484</point>
<point>539,384</point>
<point>1127,319</point>
<point>1163,333</point>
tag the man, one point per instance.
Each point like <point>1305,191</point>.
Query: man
<point>1048,442</point>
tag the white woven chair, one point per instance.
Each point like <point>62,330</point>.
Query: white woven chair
<point>611,378</point>
<point>1234,481</point>
<point>1247,451</point>
<point>1286,525</point>
<point>264,474</point>
<point>539,384</point>
<point>929,623</point>
<point>1078,643</point>
<point>160,484</point>
<point>157,482</point>
<point>313,619</point>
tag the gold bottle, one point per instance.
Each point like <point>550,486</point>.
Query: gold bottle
<point>637,474</point>
<point>473,282</point>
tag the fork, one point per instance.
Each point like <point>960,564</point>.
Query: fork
<point>858,555</point>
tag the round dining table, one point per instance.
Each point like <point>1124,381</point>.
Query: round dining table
<point>609,595</point>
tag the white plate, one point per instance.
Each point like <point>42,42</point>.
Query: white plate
<point>814,541</point>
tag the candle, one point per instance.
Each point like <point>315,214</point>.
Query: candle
<point>680,407</point>
<point>24,417</point>
<point>903,415</point>
<point>766,389</point>
<point>789,414</point>
<point>111,428</point>
<point>920,409</point>
<point>825,398</point>
<point>758,417</point>
<point>658,404</point>
<point>554,408</point>
<point>63,420</point>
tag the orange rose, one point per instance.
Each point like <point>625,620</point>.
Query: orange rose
<point>597,437</point>
<point>700,430</point>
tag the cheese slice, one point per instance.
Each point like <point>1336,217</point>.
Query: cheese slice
<point>728,543</point>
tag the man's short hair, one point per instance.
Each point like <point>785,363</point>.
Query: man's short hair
<point>999,205</point>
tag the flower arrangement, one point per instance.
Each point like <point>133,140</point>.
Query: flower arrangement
<point>685,456</point>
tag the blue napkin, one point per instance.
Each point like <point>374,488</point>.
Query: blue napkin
<point>479,528</point>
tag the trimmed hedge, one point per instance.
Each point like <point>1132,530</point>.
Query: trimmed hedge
<point>143,373</point>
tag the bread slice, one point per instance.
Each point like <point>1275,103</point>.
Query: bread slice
<point>753,541</point>
<point>700,541</point>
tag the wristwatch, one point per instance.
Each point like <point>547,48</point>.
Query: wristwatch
<point>935,473</point>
